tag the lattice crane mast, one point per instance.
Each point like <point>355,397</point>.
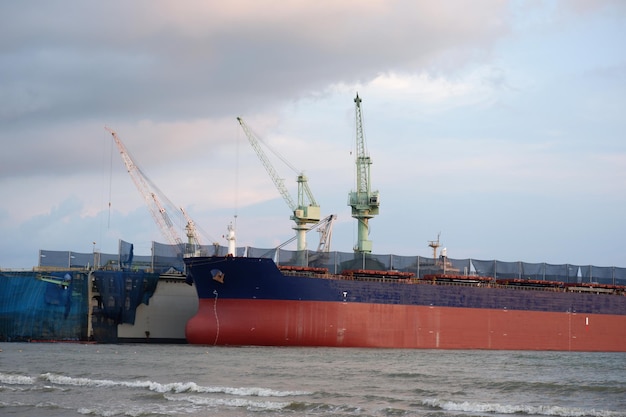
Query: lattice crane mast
<point>193,238</point>
<point>306,210</point>
<point>150,193</point>
<point>325,229</point>
<point>364,202</point>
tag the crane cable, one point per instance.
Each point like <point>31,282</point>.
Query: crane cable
<point>110,182</point>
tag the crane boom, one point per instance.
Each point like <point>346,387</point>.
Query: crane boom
<point>364,202</point>
<point>158,211</point>
<point>278,181</point>
<point>306,210</point>
<point>363,160</point>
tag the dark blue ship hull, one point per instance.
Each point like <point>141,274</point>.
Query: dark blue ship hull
<point>250,301</point>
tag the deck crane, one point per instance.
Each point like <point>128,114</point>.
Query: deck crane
<point>151,195</point>
<point>364,202</point>
<point>324,227</point>
<point>306,211</point>
<point>193,239</point>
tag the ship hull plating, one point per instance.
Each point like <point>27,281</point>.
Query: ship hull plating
<point>245,301</point>
<point>298,323</point>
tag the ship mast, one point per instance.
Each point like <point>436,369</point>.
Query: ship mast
<point>363,201</point>
<point>435,245</point>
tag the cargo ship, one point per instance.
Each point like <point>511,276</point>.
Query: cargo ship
<point>254,301</point>
<point>360,299</point>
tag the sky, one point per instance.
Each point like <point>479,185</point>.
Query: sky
<point>498,126</point>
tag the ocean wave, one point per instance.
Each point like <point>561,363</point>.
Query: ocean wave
<point>11,379</point>
<point>544,410</point>
<point>556,388</point>
<point>122,411</point>
<point>256,405</point>
<point>231,402</point>
<point>317,408</point>
<point>174,387</point>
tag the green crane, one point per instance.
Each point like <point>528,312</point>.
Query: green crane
<point>363,201</point>
<point>306,210</point>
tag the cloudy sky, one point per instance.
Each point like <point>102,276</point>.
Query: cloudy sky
<point>499,125</point>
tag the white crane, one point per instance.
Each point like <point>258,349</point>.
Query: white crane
<point>306,211</point>
<point>154,197</point>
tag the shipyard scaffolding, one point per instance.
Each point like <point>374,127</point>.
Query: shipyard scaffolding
<point>73,296</point>
<point>44,305</point>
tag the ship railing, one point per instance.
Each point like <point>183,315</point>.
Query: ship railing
<point>59,268</point>
<point>376,279</point>
<point>9,270</point>
<point>531,288</point>
<point>310,274</point>
<point>457,283</point>
<point>591,290</point>
<point>313,274</point>
<point>490,284</point>
<point>412,280</point>
<point>616,290</point>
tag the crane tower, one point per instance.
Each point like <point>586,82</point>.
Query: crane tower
<point>364,202</point>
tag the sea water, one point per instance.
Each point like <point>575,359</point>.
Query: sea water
<point>59,379</point>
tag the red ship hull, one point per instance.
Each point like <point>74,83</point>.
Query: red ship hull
<point>341,324</point>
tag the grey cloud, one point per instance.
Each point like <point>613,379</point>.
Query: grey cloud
<point>67,60</point>
<point>66,67</point>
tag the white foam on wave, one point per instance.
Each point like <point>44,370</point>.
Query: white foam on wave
<point>257,392</point>
<point>545,410</point>
<point>11,379</point>
<point>231,402</point>
<point>116,411</point>
<point>175,387</point>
